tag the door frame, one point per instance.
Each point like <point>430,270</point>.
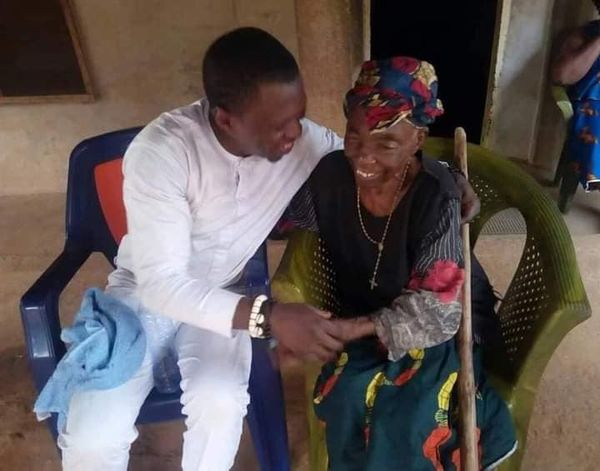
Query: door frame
<point>503,9</point>
<point>497,58</point>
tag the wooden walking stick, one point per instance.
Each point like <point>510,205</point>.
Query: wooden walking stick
<point>469,455</point>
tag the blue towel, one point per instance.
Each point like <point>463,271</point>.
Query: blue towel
<point>107,345</point>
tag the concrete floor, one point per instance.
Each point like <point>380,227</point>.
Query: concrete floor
<point>561,435</point>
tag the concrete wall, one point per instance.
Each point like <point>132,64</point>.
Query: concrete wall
<point>144,57</point>
<point>330,37</point>
<point>521,78</point>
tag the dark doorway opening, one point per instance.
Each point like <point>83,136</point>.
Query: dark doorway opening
<point>457,38</point>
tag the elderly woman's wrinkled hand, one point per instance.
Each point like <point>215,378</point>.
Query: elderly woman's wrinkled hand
<point>354,329</point>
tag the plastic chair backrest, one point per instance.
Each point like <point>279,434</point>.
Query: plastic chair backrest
<point>95,213</point>
<point>562,101</point>
<point>546,289</point>
<point>108,177</point>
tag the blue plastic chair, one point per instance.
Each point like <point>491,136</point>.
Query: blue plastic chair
<point>88,231</point>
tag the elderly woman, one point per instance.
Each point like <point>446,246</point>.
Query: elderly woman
<point>390,218</point>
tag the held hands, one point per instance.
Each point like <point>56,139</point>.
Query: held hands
<point>311,334</point>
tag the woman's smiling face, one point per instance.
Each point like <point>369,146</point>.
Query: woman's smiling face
<point>377,158</point>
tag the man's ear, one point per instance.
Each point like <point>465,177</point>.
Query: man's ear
<point>222,119</point>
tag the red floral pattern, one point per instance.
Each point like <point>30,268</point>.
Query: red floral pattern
<point>445,278</point>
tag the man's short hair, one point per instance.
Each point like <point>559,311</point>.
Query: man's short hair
<point>237,62</point>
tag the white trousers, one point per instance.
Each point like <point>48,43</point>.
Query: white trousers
<point>215,371</point>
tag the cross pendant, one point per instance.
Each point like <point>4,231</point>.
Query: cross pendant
<point>373,283</point>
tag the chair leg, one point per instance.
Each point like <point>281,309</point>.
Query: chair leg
<point>266,413</point>
<point>561,168</point>
<point>568,187</point>
<point>316,432</point>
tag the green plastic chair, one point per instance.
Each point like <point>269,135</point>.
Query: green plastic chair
<point>562,101</point>
<point>544,301</point>
<point>565,176</point>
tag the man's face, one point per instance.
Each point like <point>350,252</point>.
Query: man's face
<point>269,123</point>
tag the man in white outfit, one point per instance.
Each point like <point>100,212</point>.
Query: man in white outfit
<point>203,186</point>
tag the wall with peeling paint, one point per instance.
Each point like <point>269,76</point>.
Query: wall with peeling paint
<point>144,57</point>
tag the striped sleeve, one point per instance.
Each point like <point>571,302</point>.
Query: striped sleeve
<point>300,214</point>
<point>428,312</point>
<point>442,245</point>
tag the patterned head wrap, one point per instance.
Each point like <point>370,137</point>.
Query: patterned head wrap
<point>395,89</point>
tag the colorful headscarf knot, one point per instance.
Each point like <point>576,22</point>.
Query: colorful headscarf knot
<point>395,89</point>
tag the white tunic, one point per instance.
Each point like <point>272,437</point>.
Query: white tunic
<point>196,213</point>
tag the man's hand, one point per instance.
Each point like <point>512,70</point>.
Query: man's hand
<point>307,332</point>
<point>469,202</point>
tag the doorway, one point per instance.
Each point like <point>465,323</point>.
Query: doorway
<point>457,38</point>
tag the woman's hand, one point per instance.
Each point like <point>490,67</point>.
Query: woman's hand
<point>469,202</point>
<point>354,329</point>
<point>346,330</point>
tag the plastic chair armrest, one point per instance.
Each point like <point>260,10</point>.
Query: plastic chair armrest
<point>39,313</point>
